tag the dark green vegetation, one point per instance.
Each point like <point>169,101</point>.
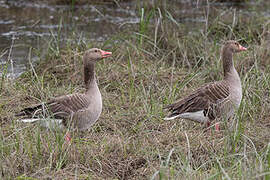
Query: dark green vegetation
<point>153,64</point>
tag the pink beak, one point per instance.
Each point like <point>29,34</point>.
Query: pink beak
<point>105,54</point>
<point>241,48</point>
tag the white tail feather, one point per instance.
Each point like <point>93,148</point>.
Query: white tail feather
<point>28,120</point>
<point>171,118</point>
<point>197,116</point>
<point>45,122</point>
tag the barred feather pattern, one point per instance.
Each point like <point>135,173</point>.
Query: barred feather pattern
<point>78,110</point>
<point>212,99</point>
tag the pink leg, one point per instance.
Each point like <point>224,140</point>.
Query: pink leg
<point>68,137</point>
<point>217,127</point>
<point>208,127</point>
<point>208,124</point>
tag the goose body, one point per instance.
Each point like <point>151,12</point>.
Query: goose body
<point>214,100</point>
<point>79,110</point>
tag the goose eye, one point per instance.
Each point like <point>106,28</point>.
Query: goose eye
<point>96,51</point>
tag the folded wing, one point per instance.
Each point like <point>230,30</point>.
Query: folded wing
<point>60,107</point>
<point>209,99</point>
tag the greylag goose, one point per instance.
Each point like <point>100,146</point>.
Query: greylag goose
<point>213,100</point>
<point>79,109</point>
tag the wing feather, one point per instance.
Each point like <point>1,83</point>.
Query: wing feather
<point>60,107</point>
<point>207,98</point>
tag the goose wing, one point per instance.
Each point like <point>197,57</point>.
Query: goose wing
<point>208,99</point>
<point>59,107</point>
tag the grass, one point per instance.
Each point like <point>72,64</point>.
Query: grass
<point>152,65</point>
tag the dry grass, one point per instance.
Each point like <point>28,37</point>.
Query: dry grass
<point>130,140</point>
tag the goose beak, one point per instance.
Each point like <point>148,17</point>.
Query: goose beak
<point>241,48</point>
<point>105,54</point>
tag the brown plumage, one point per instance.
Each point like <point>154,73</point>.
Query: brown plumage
<point>79,110</point>
<point>215,99</point>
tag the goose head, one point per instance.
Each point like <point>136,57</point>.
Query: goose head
<point>233,47</point>
<point>95,54</point>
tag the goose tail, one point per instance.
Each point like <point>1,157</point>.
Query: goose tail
<point>44,122</point>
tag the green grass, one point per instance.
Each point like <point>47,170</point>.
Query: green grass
<point>152,65</point>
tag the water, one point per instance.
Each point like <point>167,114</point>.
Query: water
<point>24,25</point>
